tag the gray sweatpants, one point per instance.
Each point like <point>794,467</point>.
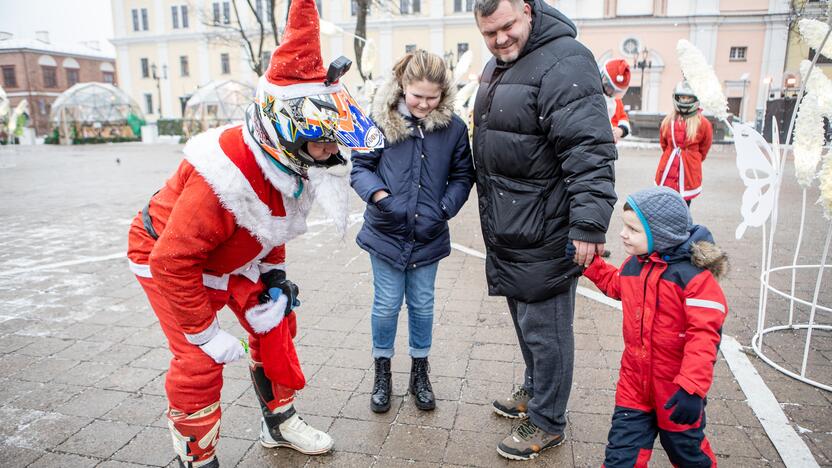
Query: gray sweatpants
<point>547,341</point>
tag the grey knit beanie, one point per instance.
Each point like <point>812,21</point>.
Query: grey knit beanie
<point>665,216</point>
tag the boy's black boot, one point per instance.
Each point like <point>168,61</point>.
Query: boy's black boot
<point>420,384</point>
<point>382,387</point>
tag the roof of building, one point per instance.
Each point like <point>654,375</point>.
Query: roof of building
<point>75,50</point>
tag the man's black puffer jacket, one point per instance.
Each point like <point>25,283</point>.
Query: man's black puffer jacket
<point>544,156</point>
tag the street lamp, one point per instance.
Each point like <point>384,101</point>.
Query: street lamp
<point>641,63</point>
<point>158,80</point>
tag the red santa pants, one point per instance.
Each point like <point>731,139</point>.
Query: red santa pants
<point>194,380</point>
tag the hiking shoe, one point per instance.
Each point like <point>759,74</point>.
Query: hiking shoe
<point>526,441</point>
<point>515,406</point>
<point>287,429</point>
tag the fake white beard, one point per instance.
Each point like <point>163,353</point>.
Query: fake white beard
<point>331,187</point>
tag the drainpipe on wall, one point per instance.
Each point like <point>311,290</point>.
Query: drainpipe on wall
<point>33,113</point>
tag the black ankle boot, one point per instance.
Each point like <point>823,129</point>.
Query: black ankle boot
<point>382,387</point>
<point>420,384</point>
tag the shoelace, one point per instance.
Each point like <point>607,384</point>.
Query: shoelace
<point>526,430</point>
<point>519,394</point>
<point>421,377</point>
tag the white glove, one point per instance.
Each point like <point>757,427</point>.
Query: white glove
<point>223,348</point>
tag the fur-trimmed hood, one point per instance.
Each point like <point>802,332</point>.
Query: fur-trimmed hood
<point>700,250</point>
<point>395,126</point>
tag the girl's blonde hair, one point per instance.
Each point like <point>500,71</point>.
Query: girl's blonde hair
<point>691,123</point>
<point>422,65</point>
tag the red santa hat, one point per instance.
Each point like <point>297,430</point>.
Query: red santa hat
<point>297,68</point>
<point>617,72</point>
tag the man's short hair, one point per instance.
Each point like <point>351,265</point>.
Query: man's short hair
<point>483,8</point>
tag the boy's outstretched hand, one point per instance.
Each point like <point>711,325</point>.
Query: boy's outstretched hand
<point>688,407</point>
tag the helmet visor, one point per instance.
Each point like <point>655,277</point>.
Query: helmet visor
<point>332,117</point>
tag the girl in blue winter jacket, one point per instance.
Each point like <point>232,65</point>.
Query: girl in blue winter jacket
<point>413,186</point>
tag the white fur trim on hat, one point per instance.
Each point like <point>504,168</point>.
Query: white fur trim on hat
<point>236,195</point>
<point>264,317</point>
<point>295,90</point>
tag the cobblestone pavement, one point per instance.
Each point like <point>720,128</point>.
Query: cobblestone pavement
<point>82,360</point>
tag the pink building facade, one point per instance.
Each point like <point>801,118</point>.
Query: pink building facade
<point>745,41</point>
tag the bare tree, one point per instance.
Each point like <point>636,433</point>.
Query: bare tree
<point>362,10</point>
<point>253,38</point>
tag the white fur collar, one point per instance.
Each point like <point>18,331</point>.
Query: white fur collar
<point>237,196</point>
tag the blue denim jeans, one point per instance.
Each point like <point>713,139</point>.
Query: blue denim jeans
<point>391,286</point>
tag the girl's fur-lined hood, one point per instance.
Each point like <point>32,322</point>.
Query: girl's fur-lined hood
<point>394,125</point>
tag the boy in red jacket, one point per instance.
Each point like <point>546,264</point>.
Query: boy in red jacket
<point>673,314</point>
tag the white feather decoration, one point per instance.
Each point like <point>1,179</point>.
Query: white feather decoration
<point>813,32</point>
<point>701,77</point>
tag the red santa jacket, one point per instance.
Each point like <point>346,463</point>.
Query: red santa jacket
<point>220,214</point>
<point>618,116</point>
<point>680,166</point>
<point>673,314</point>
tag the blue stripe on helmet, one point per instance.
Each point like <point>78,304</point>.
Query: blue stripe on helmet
<point>643,220</point>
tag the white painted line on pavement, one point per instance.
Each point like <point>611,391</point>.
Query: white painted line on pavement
<point>51,266</point>
<point>792,449</point>
<point>789,445</point>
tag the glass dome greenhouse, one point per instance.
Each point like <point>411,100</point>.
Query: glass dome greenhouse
<point>215,104</point>
<point>96,112</point>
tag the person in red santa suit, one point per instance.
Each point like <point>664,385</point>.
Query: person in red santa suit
<point>214,235</point>
<point>615,78</point>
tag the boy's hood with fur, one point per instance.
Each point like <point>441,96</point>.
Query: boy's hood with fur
<point>701,250</point>
<point>395,126</point>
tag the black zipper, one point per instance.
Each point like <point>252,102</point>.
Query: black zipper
<point>644,303</point>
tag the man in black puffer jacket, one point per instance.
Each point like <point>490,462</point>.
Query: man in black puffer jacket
<point>544,156</point>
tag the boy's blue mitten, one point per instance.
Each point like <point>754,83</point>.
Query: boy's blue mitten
<point>688,407</point>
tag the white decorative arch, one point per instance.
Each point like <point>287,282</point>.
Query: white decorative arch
<point>47,61</point>
<point>107,67</point>
<point>70,62</point>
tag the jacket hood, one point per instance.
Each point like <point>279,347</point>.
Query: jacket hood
<point>700,250</point>
<point>395,126</point>
<point>548,24</point>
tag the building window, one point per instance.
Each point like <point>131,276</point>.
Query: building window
<point>148,103</point>
<point>468,5</point>
<point>738,54</point>
<point>183,66</point>
<point>632,100</point>
<point>225,64</point>
<point>461,48</point>
<point>50,76</point>
<point>174,16</point>
<point>71,76</point>
<point>320,5</point>
<point>265,60</point>
<point>108,77</point>
<point>184,10</point>
<point>42,107</point>
<point>216,10</point>
<point>145,68</point>
<point>135,13</point>
<point>410,7</point>
<point>9,77</point>
<point>258,9</point>
<point>226,12</point>
<point>409,48</point>
<point>145,26</point>
<point>354,8</point>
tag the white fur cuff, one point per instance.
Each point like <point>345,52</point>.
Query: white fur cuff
<point>264,317</point>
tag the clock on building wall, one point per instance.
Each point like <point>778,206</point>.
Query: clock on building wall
<point>630,46</point>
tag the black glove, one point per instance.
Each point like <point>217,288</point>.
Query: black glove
<point>570,250</point>
<point>688,407</point>
<point>277,284</point>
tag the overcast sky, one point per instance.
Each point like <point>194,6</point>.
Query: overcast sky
<point>68,21</point>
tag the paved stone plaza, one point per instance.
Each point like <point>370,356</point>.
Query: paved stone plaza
<point>82,360</point>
